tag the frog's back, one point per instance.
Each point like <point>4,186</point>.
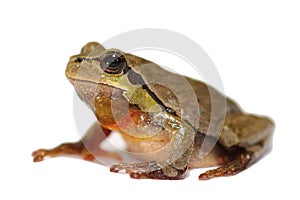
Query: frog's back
<point>184,95</point>
<point>213,105</point>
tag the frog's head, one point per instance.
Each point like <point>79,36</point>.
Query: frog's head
<point>110,68</point>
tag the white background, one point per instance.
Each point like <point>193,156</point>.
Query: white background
<point>254,44</point>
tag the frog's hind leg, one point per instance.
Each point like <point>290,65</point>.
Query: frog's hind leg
<point>251,134</point>
<point>244,158</point>
<point>87,148</point>
<point>239,164</point>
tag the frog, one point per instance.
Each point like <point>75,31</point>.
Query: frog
<point>125,94</point>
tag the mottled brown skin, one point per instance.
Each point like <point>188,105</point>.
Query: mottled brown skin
<point>129,94</point>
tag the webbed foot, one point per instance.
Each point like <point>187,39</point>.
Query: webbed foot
<point>149,170</point>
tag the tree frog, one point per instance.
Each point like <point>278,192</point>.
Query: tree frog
<point>165,118</point>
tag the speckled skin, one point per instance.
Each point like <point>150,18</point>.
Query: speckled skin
<point>136,102</point>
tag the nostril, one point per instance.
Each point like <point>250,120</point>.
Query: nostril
<point>79,60</point>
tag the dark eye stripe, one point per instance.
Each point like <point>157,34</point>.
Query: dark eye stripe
<point>81,59</point>
<point>136,79</point>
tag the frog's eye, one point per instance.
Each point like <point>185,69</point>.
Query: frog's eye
<point>79,60</point>
<point>113,62</point>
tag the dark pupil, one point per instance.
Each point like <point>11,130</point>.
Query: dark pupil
<point>112,61</point>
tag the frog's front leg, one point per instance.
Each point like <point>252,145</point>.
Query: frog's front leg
<point>94,136</point>
<point>176,163</point>
<point>151,170</point>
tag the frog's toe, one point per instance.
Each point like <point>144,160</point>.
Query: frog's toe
<point>118,168</point>
<point>142,174</point>
<point>139,175</point>
<point>136,170</point>
<point>39,155</point>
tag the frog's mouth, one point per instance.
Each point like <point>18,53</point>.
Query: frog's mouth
<point>89,84</point>
<point>74,81</point>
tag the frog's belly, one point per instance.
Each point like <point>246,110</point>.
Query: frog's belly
<point>150,149</point>
<point>156,149</point>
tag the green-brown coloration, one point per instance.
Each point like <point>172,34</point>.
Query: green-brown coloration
<point>157,113</point>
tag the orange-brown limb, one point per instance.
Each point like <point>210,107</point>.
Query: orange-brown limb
<point>87,148</point>
<point>234,167</point>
